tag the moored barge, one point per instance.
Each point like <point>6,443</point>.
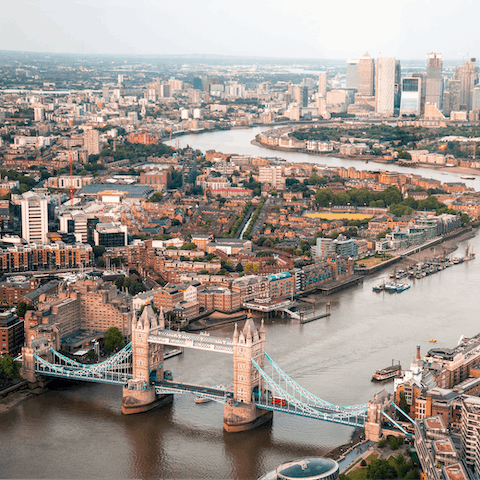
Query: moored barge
<point>387,373</point>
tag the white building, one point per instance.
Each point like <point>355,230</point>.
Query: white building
<point>385,86</point>
<point>34,213</point>
<point>273,176</point>
<point>38,114</point>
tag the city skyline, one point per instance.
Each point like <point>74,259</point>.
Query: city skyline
<point>264,30</point>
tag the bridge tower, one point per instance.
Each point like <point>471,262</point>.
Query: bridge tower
<point>147,363</point>
<point>373,425</point>
<point>241,413</point>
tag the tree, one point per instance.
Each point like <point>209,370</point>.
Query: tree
<point>464,219</point>
<point>404,406</point>
<point>323,197</point>
<point>9,368</point>
<point>188,246</point>
<point>381,469</point>
<point>98,250</point>
<point>239,267</point>
<point>155,198</point>
<point>113,339</point>
<point>21,309</point>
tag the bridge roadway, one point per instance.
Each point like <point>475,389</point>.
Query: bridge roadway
<point>189,340</point>
<point>215,393</point>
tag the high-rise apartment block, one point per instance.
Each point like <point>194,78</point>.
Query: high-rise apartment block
<point>366,75</point>
<point>352,74</point>
<point>38,114</point>
<point>434,84</point>
<point>385,85</point>
<point>272,176</point>
<point>91,141</point>
<point>31,210</point>
<point>322,84</point>
<point>467,74</point>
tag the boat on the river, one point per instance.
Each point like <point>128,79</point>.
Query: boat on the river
<point>433,340</point>
<point>386,373</point>
<point>402,286</point>
<point>466,177</point>
<point>469,255</point>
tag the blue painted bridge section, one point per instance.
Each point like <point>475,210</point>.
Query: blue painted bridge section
<point>277,392</point>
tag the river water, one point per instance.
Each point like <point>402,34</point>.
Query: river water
<point>80,432</point>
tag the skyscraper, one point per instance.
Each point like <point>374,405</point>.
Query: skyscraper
<point>322,84</point>
<point>91,141</point>
<point>411,96</point>
<point>366,75</point>
<point>38,114</point>
<point>467,74</point>
<point>434,84</point>
<point>385,85</point>
<point>352,74</point>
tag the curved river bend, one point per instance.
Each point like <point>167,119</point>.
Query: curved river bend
<point>80,432</point>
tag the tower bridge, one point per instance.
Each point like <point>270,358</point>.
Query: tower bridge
<point>260,386</point>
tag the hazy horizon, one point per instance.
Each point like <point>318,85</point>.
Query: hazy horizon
<point>304,30</point>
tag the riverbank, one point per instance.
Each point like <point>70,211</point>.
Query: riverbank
<point>370,158</point>
<point>15,393</point>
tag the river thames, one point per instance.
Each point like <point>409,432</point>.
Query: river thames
<point>80,432</point>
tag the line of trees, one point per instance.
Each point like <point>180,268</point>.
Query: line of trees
<point>255,215</point>
<point>239,220</point>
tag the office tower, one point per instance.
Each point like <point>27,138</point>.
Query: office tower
<point>29,213</point>
<point>411,96</point>
<point>197,83</point>
<point>300,95</point>
<point>434,84</point>
<point>38,114</point>
<point>423,81</point>
<point>467,74</point>
<point>352,74</point>
<point>476,98</point>
<point>366,75</point>
<point>455,89</point>
<point>91,141</point>
<point>165,90</point>
<point>322,84</point>
<point>385,85</point>
<point>120,78</point>
<point>398,87</point>
<point>105,92</point>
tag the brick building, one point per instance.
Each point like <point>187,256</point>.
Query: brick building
<point>12,334</point>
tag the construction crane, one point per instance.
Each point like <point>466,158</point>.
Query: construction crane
<point>71,178</point>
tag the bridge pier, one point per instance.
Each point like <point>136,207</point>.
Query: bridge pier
<point>242,417</point>
<point>140,398</point>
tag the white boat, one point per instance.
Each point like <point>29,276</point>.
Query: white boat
<point>202,399</point>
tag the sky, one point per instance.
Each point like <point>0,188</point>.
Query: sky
<point>323,29</point>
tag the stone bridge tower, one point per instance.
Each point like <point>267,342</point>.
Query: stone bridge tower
<point>147,364</point>
<point>241,413</point>
<point>373,425</point>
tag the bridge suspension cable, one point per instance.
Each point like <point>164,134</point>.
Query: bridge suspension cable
<point>310,396</point>
<point>286,398</point>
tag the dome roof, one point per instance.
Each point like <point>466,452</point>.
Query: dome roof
<point>310,467</point>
